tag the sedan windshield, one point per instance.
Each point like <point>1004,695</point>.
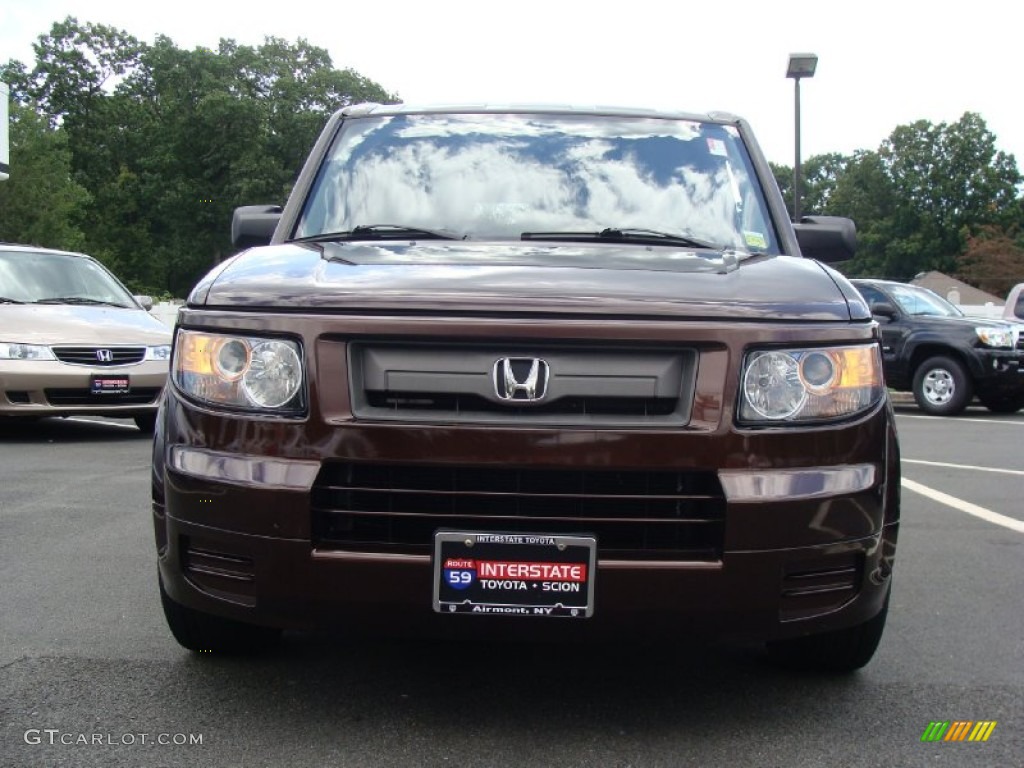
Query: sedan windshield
<point>542,177</point>
<point>58,278</point>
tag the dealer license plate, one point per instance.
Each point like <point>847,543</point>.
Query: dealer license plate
<point>110,385</point>
<point>514,574</point>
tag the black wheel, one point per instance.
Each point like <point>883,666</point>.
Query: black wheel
<point>204,633</point>
<point>841,652</point>
<point>1003,403</point>
<point>146,423</point>
<point>942,386</point>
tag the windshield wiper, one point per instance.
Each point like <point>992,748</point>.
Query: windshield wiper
<point>80,300</point>
<point>6,300</point>
<point>382,232</point>
<point>624,235</point>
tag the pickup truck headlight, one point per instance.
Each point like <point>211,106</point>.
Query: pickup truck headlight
<point>25,352</point>
<point>788,385</point>
<point>239,371</point>
<point>996,337</point>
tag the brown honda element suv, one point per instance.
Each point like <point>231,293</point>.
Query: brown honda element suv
<point>530,371</point>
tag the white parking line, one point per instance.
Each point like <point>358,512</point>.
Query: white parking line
<point>969,419</point>
<point>965,506</point>
<point>962,466</point>
<point>104,423</point>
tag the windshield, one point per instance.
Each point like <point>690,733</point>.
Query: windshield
<point>499,176</point>
<point>37,276</point>
<point>921,301</point>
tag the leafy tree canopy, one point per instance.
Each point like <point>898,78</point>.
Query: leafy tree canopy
<point>153,146</point>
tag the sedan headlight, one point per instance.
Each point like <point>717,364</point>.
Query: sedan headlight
<point>787,385</point>
<point>10,351</point>
<point>240,371</point>
<point>996,337</point>
<point>162,352</point>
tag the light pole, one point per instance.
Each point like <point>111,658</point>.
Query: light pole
<point>800,65</point>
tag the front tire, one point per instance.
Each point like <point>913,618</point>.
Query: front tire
<point>205,633</point>
<point>840,652</point>
<point>146,423</point>
<point>942,386</point>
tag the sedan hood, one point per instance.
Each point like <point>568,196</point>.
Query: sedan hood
<point>581,279</point>
<point>69,324</point>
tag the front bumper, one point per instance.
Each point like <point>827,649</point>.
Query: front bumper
<point>1002,372</point>
<point>53,388</point>
<point>807,546</point>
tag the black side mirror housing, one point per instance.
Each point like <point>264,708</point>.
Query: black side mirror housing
<point>883,309</point>
<point>253,225</point>
<point>826,238</point>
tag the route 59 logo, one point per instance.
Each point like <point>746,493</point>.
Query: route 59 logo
<point>459,573</point>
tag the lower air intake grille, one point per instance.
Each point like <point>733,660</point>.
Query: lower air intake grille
<point>140,396</point>
<point>634,515</point>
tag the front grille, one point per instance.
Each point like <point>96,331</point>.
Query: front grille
<point>517,384</point>
<point>635,515</point>
<point>91,355</point>
<point>472,405</point>
<point>139,396</point>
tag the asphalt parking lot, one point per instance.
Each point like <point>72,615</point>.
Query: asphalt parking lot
<point>89,675</point>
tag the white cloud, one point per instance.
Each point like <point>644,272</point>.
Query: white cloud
<point>881,64</point>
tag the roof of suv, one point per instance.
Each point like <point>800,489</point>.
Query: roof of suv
<point>370,108</point>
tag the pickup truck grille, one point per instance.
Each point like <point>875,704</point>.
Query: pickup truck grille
<point>635,515</point>
<point>476,384</point>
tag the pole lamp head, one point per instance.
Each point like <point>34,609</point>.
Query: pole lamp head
<point>802,65</point>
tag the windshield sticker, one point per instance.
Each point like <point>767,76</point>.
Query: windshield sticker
<point>755,239</point>
<point>717,147</point>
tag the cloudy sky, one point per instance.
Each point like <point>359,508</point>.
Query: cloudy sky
<point>881,64</point>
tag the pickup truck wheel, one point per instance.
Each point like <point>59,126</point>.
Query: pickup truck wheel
<point>204,633</point>
<point>942,386</point>
<point>1003,403</point>
<point>841,652</point>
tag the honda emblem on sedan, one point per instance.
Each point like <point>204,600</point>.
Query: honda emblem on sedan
<point>521,379</point>
<point>104,355</point>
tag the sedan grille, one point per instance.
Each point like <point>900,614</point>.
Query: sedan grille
<point>635,515</point>
<point>100,356</point>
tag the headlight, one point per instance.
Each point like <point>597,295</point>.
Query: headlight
<point>239,371</point>
<point>995,337</point>
<point>25,352</point>
<point>786,385</point>
<point>162,352</point>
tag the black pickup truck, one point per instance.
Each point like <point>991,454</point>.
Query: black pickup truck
<point>930,348</point>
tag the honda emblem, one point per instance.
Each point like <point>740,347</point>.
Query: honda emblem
<point>521,379</point>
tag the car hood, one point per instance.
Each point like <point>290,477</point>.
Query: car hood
<point>70,324</point>
<point>625,280</point>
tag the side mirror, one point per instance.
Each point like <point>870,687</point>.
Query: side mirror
<point>826,238</point>
<point>883,309</point>
<point>253,225</point>
<point>145,301</point>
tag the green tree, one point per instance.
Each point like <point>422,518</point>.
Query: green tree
<point>40,204</point>
<point>993,260</point>
<point>168,142</point>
